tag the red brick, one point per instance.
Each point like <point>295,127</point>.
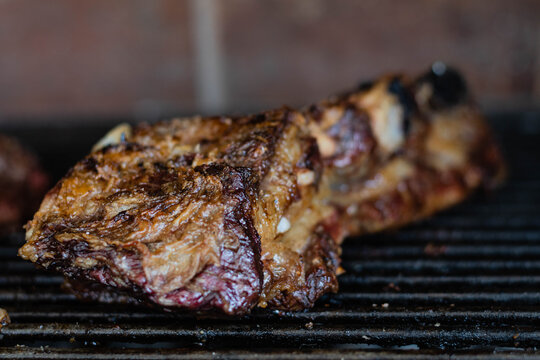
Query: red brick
<point>94,57</point>
<point>297,51</point>
<point>122,57</point>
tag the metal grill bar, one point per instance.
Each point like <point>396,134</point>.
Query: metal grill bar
<point>345,354</point>
<point>462,252</point>
<point>273,335</point>
<point>359,299</point>
<point>457,317</point>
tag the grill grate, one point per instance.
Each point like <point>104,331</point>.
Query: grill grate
<point>466,283</point>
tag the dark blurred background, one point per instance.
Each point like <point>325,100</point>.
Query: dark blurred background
<point>66,60</point>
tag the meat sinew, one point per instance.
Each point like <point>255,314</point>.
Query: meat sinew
<point>231,213</point>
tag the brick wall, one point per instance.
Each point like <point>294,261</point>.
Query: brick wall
<point>147,58</point>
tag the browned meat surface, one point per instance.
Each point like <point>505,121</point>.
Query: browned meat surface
<point>232,213</point>
<point>398,150</point>
<point>22,184</point>
<point>188,214</point>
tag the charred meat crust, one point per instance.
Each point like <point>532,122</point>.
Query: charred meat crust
<point>233,285</point>
<point>320,262</point>
<point>413,198</point>
<point>229,213</point>
<point>172,222</point>
<point>449,87</point>
<point>446,146</point>
<point>353,137</point>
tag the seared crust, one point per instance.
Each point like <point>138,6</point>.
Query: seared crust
<point>230,213</point>
<point>319,266</point>
<point>317,273</point>
<point>136,236</point>
<point>419,147</point>
<point>177,218</point>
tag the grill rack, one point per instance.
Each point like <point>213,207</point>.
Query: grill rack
<point>465,283</point>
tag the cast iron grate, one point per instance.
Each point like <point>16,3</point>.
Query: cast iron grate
<point>466,283</point>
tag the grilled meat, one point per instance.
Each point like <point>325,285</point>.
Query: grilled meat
<point>22,184</point>
<point>399,150</point>
<point>230,213</point>
<point>189,213</point>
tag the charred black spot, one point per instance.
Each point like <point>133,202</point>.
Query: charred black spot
<point>353,136</point>
<point>64,252</point>
<point>77,246</point>
<point>406,125</point>
<point>125,146</point>
<point>204,141</point>
<point>406,99</point>
<point>315,112</point>
<point>160,166</point>
<point>365,86</point>
<point>259,118</point>
<point>311,159</point>
<point>129,146</point>
<point>233,179</point>
<point>212,169</point>
<point>90,164</point>
<point>183,160</point>
<point>449,87</point>
<point>122,216</point>
<point>152,190</point>
<point>49,229</point>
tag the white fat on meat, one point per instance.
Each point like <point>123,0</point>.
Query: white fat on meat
<point>284,225</point>
<point>387,117</point>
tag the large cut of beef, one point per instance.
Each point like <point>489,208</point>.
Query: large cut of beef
<point>230,213</point>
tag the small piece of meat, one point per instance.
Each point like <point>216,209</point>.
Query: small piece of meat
<point>231,213</point>
<point>4,318</point>
<point>318,266</point>
<point>22,184</point>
